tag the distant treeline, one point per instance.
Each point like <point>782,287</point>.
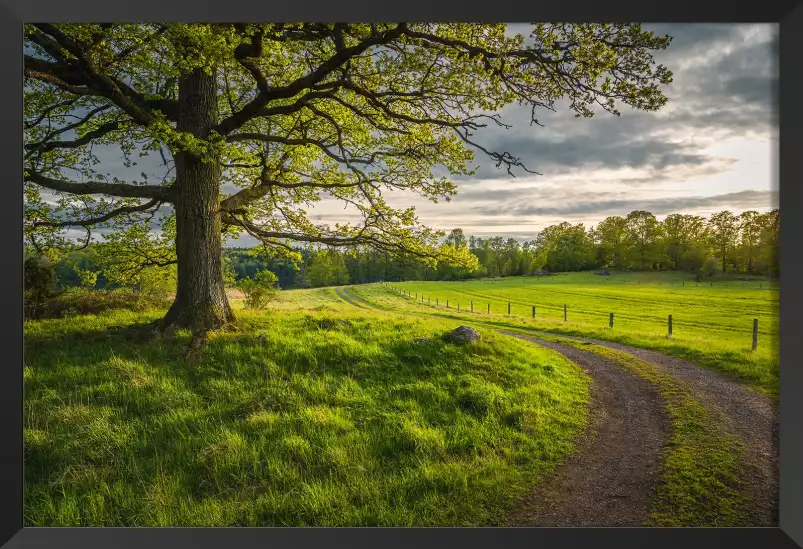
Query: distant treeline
<point>747,243</point>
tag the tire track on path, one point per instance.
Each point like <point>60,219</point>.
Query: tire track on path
<point>610,479</point>
<point>747,414</point>
<point>362,302</point>
<point>341,293</point>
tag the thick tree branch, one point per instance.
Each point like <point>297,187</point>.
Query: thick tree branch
<point>252,109</point>
<point>102,218</point>
<point>364,237</point>
<point>247,56</point>
<point>96,187</point>
<point>82,78</point>
<point>47,145</point>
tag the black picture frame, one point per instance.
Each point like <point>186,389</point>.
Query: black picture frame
<point>13,13</point>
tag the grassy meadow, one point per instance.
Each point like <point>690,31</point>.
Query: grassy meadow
<point>320,412</point>
<point>328,419</point>
<point>712,321</point>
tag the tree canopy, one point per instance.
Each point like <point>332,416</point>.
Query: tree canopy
<point>287,115</point>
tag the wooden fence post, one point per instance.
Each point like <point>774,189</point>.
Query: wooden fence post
<point>670,327</point>
<point>436,301</point>
<point>533,311</point>
<point>447,303</point>
<point>489,308</point>
<point>458,306</point>
<point>755,333</point>
<point>472,306</point>
<point>565,312</point>
<point>508,308</point>
<point>610,322</point>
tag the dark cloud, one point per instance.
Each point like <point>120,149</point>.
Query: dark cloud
<point>741,200</point>
<point>608,149</point>
<point>725,82</point>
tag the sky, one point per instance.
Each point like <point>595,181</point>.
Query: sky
<point>712,147</point>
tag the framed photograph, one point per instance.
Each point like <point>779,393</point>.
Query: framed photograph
<point>413,274</point>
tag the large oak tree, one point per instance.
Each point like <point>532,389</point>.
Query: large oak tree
<point>290,114</point>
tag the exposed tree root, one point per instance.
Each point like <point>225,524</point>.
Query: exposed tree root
<point>194,350</point>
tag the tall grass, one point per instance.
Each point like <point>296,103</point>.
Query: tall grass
<point>327,419</point>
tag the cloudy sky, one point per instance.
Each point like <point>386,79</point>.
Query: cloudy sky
<point>713,147</point>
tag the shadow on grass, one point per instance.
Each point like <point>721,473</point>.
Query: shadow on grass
<point>298,419</point>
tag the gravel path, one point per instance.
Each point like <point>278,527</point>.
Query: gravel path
<point>610,479</point>
<point>747,414</point>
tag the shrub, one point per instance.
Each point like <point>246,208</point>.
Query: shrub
<point>711,266</point>
<point>38,279</point>
<point>87,278</point>
<point>260,290</point>
<point>83,301</point>
<point>157,283</point>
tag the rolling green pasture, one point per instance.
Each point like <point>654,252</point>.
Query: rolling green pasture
<point>311,417</point>
<point>712,325</point>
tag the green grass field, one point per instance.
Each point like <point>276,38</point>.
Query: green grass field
<point>340,416</point>
<point>712,325</point>
<point>333,419</point>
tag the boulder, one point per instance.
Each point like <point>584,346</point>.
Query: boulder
<point>463,334</point>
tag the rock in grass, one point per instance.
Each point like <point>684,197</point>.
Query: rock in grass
<point>422,340</point>
<point>463,334</point>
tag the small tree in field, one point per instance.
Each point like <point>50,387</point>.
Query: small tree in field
<point>261,290</point>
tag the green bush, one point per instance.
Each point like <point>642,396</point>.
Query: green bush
<point>38,280</point>
<point>84,301</point>
<point>711,266</point>
<point>157,283</point>
<point>260,290</point>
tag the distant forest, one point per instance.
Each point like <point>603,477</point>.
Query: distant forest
<point>724,242</point>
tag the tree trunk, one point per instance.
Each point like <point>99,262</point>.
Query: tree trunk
<point>201,302</point>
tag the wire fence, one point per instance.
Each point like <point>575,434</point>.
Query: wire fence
<point>422,299</point>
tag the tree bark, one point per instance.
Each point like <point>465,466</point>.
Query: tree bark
<point>201,303</point>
